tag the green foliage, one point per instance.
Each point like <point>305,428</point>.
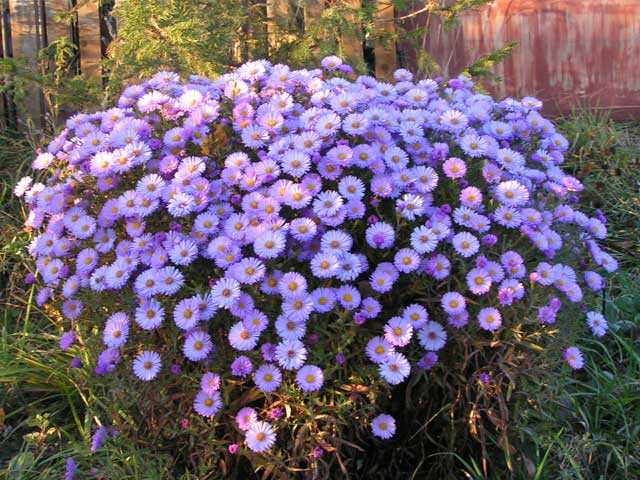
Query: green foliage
<point>195,36</point>
<point>607,156</point>
<point>543,422</point>
<point>586,423</point>
<point>63,91</point>
<point>451,11</point>
<point>482,67</point>
<point>527,423</point>
<point>208,37</point>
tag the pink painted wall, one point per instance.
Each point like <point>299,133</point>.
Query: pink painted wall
<point>569,53</point>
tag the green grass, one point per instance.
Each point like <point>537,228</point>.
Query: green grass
<point>597,411</point>
<point>585,425</point>
<point>561,424</point>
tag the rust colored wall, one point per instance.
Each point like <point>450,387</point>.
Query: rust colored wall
<point>570,52</point>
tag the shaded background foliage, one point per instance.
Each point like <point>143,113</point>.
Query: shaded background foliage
<point>534,419</point>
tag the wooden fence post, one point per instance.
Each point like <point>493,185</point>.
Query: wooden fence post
<point>4,101</point>
<point>312,12</point>
<point>277,22</point>
<point>89,40</point>
<point>312,15</point>
<point>54,28</point>
<point>26,40</point>
<point>351,41</point>
<point>385,47</point>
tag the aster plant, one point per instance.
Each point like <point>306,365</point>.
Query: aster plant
<point>276,234</point>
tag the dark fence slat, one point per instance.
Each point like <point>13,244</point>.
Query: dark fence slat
<point>26,40</point>
<point>89,35</point>
<point>385,48</point>
<point>351,40</point>
<point>55,27</point>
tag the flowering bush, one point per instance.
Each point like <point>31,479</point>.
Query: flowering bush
<point>274,235</point>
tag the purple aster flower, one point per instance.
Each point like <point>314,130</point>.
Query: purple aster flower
<point>453,120</point>
<point>593,280</point>
<point>512,193</point>
<point>98,438</point>
<point>454,168</point>
<point>260,437</point>
<point>107,361</point>
<point>395,368</point>
<point>197,345</point>
<point>210,382</point>
<point>398,331</point>
<point>382,280</point>
<point>70,469</point>
<point>384,426</point>
<point>241,366</point>
<point>66,340</point>
<point>547,315</point>
<point>465,244</point>
<point>267,377</point>
<point>597,323</point>
<point>146,365</point>
<point>331,62</point>
<point>207,404</point>
<point>268,351</point>
<point>380,235</point>
<point>225,292</point>
<point>370,307</point>
<point>428,361</point>
<point>490,319</point>
<point>574,357</point>
<point>309,378</point>
<point>489,240</point>
<point>453,302</point>
<point>116,330</point>
<point>459,319</point>
<point>432,336</point>
<point>478,281</point>
<point>291,354</point>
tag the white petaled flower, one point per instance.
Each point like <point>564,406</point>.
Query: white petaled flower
<point>260,437</point>
<point>432,336</point>
<point>241,338</point>
<point>147,365</point>
<point>384,426</point>
<point>310,378</point>
<point>197,345</point>
<point>267,377</point>
<point>395,369</point>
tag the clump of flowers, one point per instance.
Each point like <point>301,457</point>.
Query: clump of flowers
<point>279,226</point>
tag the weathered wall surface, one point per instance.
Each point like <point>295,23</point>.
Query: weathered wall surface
<point>570,52</point>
